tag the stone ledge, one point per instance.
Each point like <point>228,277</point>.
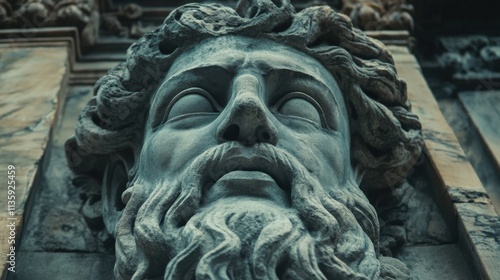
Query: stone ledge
<point>461,195</point>
<point>455,179</point>
<point>44,36</point>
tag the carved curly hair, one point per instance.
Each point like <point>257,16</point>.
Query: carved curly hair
<point>385,136</point>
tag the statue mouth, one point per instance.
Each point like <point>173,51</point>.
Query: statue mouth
<point>256,172</point>
<point>248,185</point>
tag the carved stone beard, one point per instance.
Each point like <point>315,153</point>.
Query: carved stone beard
<point>243,240</point>
<point>165,231</point>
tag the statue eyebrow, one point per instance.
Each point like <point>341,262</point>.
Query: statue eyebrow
<point>196,69</point>
<point>286,72</point>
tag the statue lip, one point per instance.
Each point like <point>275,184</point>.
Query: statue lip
<point>262,163</point>
<point>244,162</point>
<point>250,184</point>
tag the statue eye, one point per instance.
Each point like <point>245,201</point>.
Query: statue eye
<point>296,104</point>
<point>191,101</point>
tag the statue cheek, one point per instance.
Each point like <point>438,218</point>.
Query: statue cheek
<point>304,149</point>
<point>328,156</point>
<point>154,156</point>
<point>173,150</point>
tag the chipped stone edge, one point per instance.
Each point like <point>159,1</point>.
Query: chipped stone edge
<point>478,229</point>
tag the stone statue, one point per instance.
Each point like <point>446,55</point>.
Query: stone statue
<point>238,144</point>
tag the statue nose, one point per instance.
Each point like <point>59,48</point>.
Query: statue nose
<point>247,120</point>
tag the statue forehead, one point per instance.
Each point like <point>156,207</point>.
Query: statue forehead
<point>236,53</point>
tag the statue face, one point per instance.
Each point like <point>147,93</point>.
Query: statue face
<point>245,170</point>
<point>255,92</point>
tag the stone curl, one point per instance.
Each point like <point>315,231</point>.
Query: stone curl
<point>385,136</point>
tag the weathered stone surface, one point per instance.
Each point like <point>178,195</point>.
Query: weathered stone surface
<point>64,266</point>
<point>436,262</point>
<point>424,224</point>
<point>479,228</point>
<point>409,216</point>
<point>28,111</point>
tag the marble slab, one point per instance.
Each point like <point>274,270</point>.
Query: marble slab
<point>483,107</point>
<point>32,83</point>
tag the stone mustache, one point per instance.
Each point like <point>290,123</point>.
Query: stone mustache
<point>231,143</point>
